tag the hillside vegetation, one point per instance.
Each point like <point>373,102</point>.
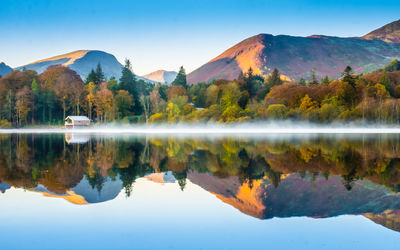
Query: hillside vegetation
<point>28,98</point>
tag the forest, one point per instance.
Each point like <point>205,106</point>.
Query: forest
<point>31,99</point>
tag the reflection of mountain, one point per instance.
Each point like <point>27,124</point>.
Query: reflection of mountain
<point>110,189</point>
<point>230,191</point>
<point>68,196</point>
<point>84,193</point>
<point>261,178</point>
<point>4,186</point>
<point>389,219</point>
<point>296,196</point>
<point>166,177</point>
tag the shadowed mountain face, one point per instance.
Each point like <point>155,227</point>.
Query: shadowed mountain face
<point>81,61</point>
<point>5,69</point>
<point>162,76</point>
<point>295,57</point>
<point>388,33</point>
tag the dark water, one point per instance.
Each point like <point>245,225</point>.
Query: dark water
<point>79,191</point>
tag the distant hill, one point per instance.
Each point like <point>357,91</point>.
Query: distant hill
<point>388,33</point>
<point>82,62</point>
<point>162,76</point>
<point>5,69</point>
<point>295,57</point>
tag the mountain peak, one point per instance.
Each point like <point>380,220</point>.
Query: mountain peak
<point>81,61</point>
<point>5,69</point>
<point>296,56</point>
<point>72,56</point>
<point>388,33</point>
<point>162,76</point>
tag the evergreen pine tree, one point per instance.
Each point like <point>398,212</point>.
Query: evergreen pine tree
<point>99,74</point>
<point>325,80</point>
<point>275,78</point>
<point>348,76</point>
<point>180,78</point>
<point>91,77</point>
<point>129,83</point>
<point>313,77</point>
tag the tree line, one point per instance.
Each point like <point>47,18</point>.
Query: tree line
<point>28,98</point>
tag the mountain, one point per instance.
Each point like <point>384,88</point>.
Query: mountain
<point>81,61</point>
<point>388,33</point>
<point>295,57</point>
<point>162,76</point>
<point>5,69</point>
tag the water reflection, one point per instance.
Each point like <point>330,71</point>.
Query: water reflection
<point>315,177</point>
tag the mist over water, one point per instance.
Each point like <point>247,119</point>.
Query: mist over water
<point>251,129</point>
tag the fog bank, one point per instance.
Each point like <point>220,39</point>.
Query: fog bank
<point>267,128</point>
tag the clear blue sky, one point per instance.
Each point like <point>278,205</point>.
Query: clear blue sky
<point>166,34</point>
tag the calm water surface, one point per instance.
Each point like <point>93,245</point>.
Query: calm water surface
<point>78,191</point>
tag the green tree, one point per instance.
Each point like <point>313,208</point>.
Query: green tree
<point>180,78</point>
<point>385,81</point>
<point>277,111</point>
<point>99,74</point>
<point>347,76</point>
<point>275,78</point>
<point>35,99</point>
<point>128,82</point>
<point>123,101</point>
<point>313,77</point>
<point>92,77</point>
<point>325,80</point>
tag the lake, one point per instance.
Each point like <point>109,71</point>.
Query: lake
<point>109,191</point>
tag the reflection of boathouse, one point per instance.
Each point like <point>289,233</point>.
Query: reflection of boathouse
<point>74,138</point>
<point>76,121</point>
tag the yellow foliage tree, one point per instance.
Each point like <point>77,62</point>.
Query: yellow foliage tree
<point>307,103</point>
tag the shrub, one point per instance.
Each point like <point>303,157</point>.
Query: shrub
<point>277,111</point>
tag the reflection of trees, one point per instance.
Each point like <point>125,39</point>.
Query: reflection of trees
<point>27,160</point>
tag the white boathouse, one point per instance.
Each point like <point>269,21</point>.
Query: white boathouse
<point>76,121</point>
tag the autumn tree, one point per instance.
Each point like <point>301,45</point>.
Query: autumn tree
<point>307,103</point>
<point>103,103</point>
<point>90,97</point>
<point>24,98</point>
<point>68,88</point>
